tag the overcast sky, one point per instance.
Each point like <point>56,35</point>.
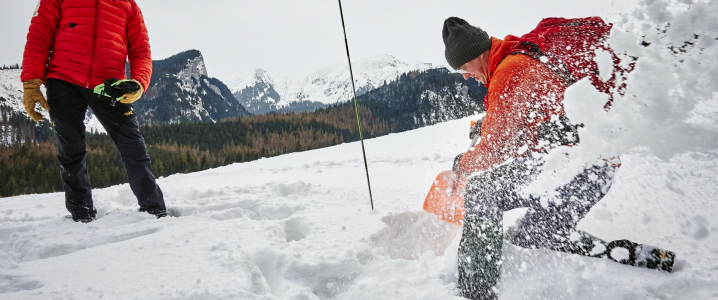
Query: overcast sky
<point>300,36</point>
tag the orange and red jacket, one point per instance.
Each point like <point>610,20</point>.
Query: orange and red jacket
<point>523,94</point>
<point>86,42</point>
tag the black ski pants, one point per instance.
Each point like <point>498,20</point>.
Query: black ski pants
<point>548,224</point>
<point>68,106</point>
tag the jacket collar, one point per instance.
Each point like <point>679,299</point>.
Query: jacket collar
<point>499,50</point>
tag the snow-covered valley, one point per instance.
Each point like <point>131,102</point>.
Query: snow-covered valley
<point>299,226</point>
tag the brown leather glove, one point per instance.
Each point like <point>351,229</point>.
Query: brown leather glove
<point>31,96</point>
<point>132,97</point>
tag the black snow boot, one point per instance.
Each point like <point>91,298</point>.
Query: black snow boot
<point>158,212</point>
<point>479,255</point>
<point>84,218</point>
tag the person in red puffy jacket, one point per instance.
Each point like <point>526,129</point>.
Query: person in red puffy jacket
<point>79,49</point>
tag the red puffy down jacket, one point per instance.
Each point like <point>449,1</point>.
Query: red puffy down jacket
<point>86,42</point>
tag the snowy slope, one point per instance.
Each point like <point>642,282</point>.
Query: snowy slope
<point>323,87</point>
<point>299,226</point>
<point>11,90</point>
<point>11,99</point>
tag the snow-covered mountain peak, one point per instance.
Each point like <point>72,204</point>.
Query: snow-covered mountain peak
<point>197,66</point>
<point>380,67</point>
<point>193,71</point>
<point>324,86</point>
<point>185,87</point>
<point>380,62</point>
<point>261,75</point>
<point>331,85</point>
<point>239,82</point>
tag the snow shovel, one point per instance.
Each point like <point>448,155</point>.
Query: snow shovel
<point>446,197</point>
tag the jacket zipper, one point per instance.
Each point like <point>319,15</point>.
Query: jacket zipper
<point>94,38</point>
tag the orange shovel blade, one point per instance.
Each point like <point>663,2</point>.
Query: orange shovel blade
<point>446,198</point>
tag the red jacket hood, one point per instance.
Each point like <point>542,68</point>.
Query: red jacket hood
<point>499,50</point>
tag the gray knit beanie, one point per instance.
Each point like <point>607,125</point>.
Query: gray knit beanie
<point>463,42</point>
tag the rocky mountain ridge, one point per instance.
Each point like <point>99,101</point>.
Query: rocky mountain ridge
<point>182,91</point>
<point>264,93</point>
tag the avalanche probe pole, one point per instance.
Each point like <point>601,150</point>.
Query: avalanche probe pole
<point>356,105</point>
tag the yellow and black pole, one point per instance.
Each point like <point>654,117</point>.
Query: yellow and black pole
<point>356,105</point>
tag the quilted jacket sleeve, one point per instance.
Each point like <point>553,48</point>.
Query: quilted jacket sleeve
<point>40,39</point>
<point>139,47</point>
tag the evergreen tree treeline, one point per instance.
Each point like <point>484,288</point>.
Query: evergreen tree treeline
<point>187,147</point>
<point>10,67</point>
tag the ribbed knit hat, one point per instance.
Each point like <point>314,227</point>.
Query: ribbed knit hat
<point>463,42</point>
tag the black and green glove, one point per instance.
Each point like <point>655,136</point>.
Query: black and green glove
<point>125,91</point>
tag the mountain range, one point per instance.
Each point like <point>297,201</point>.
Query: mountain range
<point>263,93</point>
<point>182,91</point>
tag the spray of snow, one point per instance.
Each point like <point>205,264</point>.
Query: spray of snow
<point>671,103</point>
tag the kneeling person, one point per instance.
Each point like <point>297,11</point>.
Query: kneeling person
<point>524,118</point>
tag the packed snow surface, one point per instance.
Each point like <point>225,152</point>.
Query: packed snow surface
<point>300,226</point>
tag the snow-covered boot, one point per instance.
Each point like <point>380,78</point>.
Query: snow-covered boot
<point>157,212</point>
<point>479,256</point>
<point>80,220</point>
<point>644,256</point>
<point>84,218</point>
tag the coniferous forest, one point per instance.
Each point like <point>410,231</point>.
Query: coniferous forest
<point>28,164</point>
